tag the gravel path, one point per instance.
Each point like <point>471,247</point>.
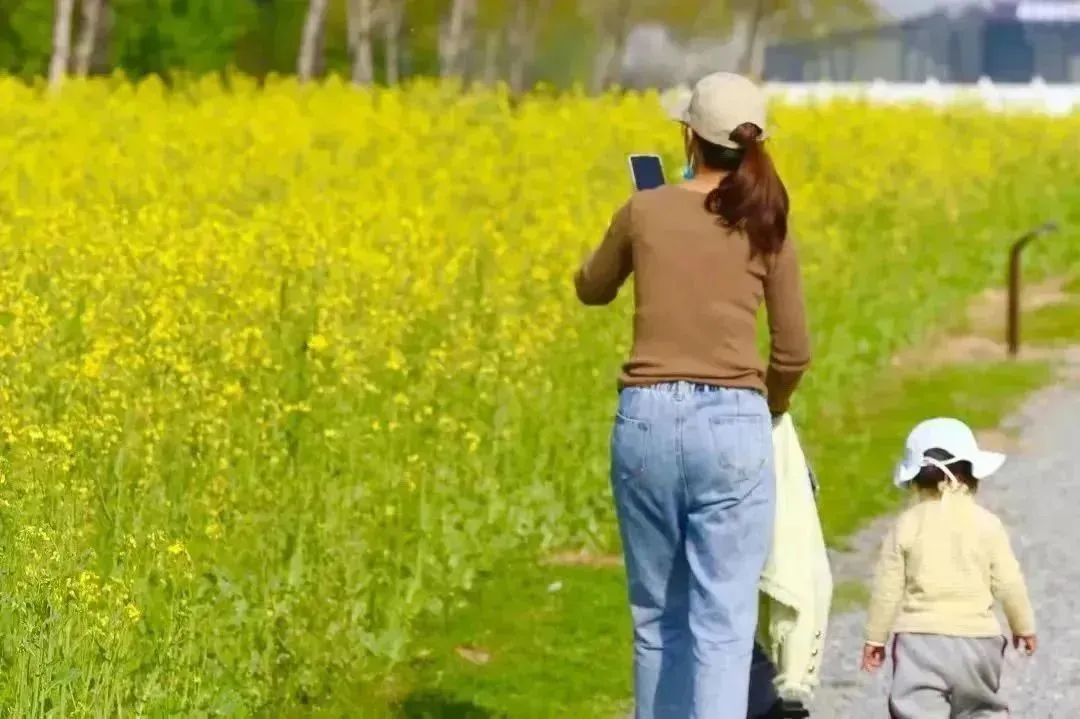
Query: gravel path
<point>1037,495</point>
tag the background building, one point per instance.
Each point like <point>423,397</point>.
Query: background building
<point>1009,42</point>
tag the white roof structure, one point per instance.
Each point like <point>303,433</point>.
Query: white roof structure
<point>1048,11</point>
<point>1033,11</point>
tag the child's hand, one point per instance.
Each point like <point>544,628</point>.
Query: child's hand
<point>1029,642</point>
<point>873,657</point>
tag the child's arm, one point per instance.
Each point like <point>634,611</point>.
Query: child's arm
<point>888,591</point>
<point>1007,584</point>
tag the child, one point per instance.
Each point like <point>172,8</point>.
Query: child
<point>941,568</point>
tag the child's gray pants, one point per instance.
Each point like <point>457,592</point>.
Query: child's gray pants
<point>936,676</point>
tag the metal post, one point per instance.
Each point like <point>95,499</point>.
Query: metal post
<point>1013,318</point>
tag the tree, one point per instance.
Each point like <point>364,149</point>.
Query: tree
<point>311,41</point>
<point>91,36</point>
<point>521,41</point>
<point>808,18</point>
<point>757,14</point>
<point>489,32</point>
<point>456,38</point>
<point>746,22</point>
<point>686,21</point>
<point>690,18</point>
<point>61,43</point>
<point>393,21</point>
<point>361,23</point>
<point>793,17</point>
<point>193,36</point>
<point>612,20</point>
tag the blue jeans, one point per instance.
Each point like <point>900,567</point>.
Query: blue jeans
<point>694,486</point>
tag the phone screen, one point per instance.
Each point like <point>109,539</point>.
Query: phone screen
<point>647,171</point>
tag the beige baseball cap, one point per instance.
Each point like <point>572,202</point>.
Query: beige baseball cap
<point>719,103</point>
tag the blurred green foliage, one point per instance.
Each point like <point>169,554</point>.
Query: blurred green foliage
<point>160,36</point>
<point>260,37</point>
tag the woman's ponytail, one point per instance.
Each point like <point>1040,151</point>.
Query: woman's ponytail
<point>751,197</point>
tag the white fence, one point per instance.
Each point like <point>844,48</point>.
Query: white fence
<point>1035,97</point>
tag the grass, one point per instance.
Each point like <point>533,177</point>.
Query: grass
<point>854,455</point>
<point>1057,324</point>
<point>565,653</point>
<point>533,641</point>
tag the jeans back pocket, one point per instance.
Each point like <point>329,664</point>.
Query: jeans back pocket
<point>629,448</point>
<point>742,448</point>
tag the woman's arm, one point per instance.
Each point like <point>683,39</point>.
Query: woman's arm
<point>790,340</point>
<point>603,273</point>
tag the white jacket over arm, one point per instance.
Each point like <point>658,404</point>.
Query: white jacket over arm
<point>796,586</point>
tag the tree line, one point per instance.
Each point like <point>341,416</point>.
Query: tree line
<point>518,42</point>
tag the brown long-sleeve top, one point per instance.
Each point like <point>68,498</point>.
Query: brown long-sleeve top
<point>697,291</point>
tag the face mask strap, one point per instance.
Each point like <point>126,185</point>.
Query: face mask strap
<point>689,171</point>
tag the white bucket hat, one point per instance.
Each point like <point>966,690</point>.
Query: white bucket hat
<point>952,436</point>
<point>718,104</point>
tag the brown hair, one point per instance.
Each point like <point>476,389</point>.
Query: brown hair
<point>928,478</point>
<point>751,197</point>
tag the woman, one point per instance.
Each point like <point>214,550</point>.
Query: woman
<point>692,466</point>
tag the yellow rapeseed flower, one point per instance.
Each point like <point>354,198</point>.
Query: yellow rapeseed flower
<point>269,313</point>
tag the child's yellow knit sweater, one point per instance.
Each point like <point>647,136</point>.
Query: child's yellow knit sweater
<point>941,568</point>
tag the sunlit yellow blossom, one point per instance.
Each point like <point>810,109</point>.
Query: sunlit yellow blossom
<point>472,440</point>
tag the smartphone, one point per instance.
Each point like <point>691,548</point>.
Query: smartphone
<point>647,171</point>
